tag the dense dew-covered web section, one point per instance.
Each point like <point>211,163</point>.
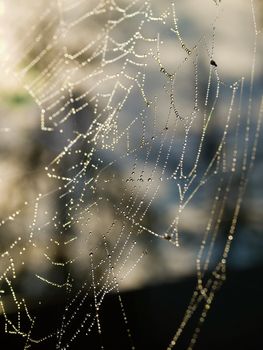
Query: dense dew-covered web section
<point>143,127</point>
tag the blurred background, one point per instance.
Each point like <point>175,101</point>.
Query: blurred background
<point>129,134</point>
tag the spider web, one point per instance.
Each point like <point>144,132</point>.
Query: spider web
<point>144,129</point>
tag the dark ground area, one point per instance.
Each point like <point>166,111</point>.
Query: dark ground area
<point>234,322</point>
